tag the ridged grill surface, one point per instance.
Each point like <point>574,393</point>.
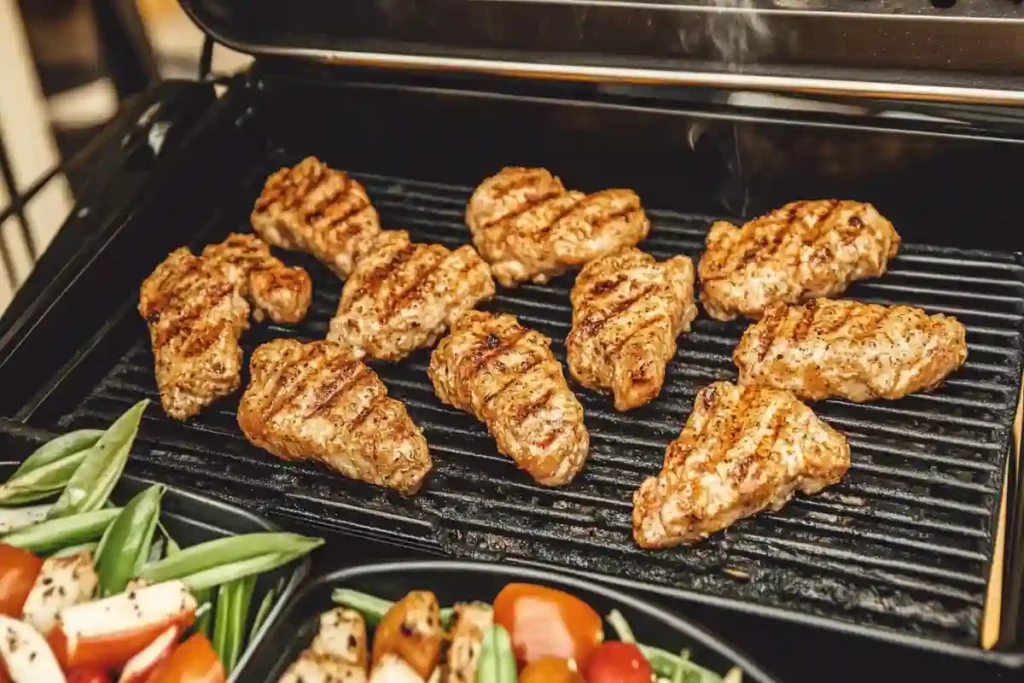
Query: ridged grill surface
<point>903,543</point>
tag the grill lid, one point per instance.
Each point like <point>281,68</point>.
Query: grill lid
<point>950,50</point>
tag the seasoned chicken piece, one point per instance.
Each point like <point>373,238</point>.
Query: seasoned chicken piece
<point>403,296</point>
<point>411,630</point>
<point>313,401</point>
<point>61,582</point>
<point>337,654</point>
<point>317,209</point>
<point>507,377</point>
<point>467,638</point>
<point>272,288</point>
<point>627,310</point>
<point>860,352</point>
<point>528,227</point>
<point>743,450</point>
<point>801,251</point>
<point>195,315</point>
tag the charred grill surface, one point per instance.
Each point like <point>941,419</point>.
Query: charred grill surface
<point>903,543</point>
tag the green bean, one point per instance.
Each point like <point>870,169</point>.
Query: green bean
<point>238,615</point>
<point>172,545</point>
<point>220,622</point>
<point>75,549</point>
<point>262,612</point>
<point>621,627</point>
<point>40,482</point>
<point>91,484</point>
<point>57,449</point>
<point>213,554</point>
<point>16,519</point>
<point>666,665</point>
<point>680,672</point>
<point>203,619</point>
<point>54,534</point>
<point>371,607</point>
<point>236,570</point>
<point>125,545</point>
<point>497,661</point>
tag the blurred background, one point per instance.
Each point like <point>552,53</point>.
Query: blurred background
<point>65,67</point>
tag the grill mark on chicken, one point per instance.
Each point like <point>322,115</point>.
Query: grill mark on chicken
<point>592,325</point>
<point>507,376</point>
<point>341,386</point>
<point>857,351</point>
<point>418,285</point>
<point>528,206</point>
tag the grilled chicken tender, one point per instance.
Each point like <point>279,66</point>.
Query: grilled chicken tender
<point>272,288</point>
<point>627,310</point>
<point>313,401</point>
<point>337,654</point>
<point>467,641</point>
<point>317,209</point>
<point>195,315</point>
<point>507,377</point>
<point>743,450</point>
<point>404,296</point>
<point>858,351</point>
<point>529,227</point>
<point>801,251</point>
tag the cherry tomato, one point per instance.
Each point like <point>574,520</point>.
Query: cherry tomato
<point>550,670</point>
<point>18,571</point>
<point>617,662</point>
<point>544,622</point>
<point>88,676</point>
<point>194,661</point>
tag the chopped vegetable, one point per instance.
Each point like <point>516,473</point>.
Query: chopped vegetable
<point>204,615</point>
<point>215,562</point>
<point>621,627</point>
<point>107,633</point>
<point>667,665</point>
<point>617,662</point>
<point>680,672</point>
<point>412,630</point>
<point>25,654</point>
<point>371,607</point>
<point>233,601</point>
<point>16,519</point>
<point>54,534</point>
<point>497,660</point>
<point>262,612</point>
<point>62,582</point>
<point>49,468</point>
<point>552,670</point>
<point>140,667</point>
<point>193,661</point>
<point>125,545</point>
<point>91,484</point>
<point>544,622</point>
<point>18,571</point>
<point>58,449</point>
<point>88,676</point>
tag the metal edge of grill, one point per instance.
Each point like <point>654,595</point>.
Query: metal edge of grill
<point>973,478</point>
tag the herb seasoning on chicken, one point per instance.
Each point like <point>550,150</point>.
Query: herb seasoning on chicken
<point>530,228</point>
<point>195,315</point>
<point>338,653</point>
<point>313,401</point>
<point>627,310</point>
<point>403,296</point>
<point>272,288</point>
<point>505,375</point>
<point>857,351</point>
<point>314,208</point>
<point>743,450</point>
<point>803,250</point>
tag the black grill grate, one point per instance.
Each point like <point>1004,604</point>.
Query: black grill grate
<point>904,543</point>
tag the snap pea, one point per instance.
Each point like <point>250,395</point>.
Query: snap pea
<point>54,534</point>
<point>57,449</point>
<point>42,481</point>
<point>236,570</point>
<point>214,554</point>
<point>236,616</point>
<point>75,549</point>
<point>203,620</point>
<point>262,612</point>
<point>15,519</point>
<point>91,484</point>
<point>373,608</point>
<point>225,594</point>
<point>125,545</point>
<point>497,661</point>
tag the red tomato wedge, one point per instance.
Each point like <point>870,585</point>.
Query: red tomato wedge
<point>18,571</point>
<point>105,634</point>
<point>140,667</point>
<point>617,662</point>
<point>194,661</point>
<point>544,622</point>
<point>88,676</point>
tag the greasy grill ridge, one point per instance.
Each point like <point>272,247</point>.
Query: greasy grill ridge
<point>903,543</point>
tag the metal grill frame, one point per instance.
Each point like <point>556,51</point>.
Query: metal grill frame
<point>92,359</point>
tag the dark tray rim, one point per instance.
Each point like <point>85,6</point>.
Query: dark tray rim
<point>752,671</point>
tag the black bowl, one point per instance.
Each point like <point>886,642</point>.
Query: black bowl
<point>452,582</point>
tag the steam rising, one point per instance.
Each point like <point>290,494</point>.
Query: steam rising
<point>737,33</point>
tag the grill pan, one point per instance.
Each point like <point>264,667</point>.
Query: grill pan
<point>901,550</point>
